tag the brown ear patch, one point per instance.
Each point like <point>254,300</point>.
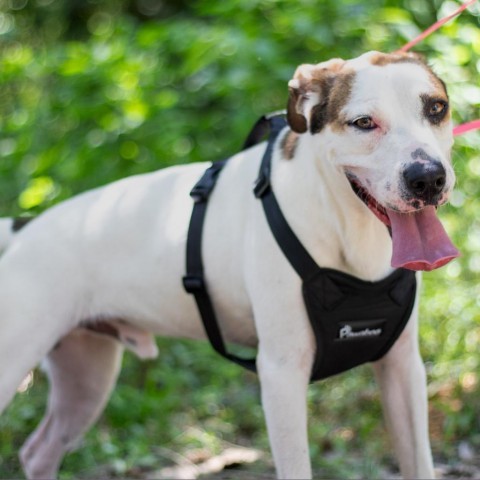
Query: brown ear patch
<point>297,122</point>
<point>336,94</point>
<point>329,83</point>
<point>309,80</point>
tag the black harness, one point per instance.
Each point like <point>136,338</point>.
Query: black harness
<point>354,321</point>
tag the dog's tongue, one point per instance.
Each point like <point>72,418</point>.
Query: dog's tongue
<point>419,240</point>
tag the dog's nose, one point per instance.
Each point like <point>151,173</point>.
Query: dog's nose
<point>425,181</point>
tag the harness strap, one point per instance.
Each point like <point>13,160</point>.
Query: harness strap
<point>194,280</point>
<point>286,239</point>
<point>263,127</point>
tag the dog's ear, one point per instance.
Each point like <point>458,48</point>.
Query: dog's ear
<point>309,88</point>
<point>298,88</point>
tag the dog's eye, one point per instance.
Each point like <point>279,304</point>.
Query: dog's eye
<point>436,108</point>
<point>364,123</point>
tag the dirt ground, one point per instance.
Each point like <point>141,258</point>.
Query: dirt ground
<point>238,463</point>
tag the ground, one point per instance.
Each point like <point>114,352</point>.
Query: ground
<point>239,463</point>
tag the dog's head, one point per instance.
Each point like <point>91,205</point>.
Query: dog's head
<point>384,120</point>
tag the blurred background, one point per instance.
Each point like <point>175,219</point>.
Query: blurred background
<point>92,91</point>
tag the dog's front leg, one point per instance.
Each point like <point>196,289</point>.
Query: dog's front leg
<point>284,400</point>
<point>402,379</point>
<point>284,363</point>
<point>286,349</point>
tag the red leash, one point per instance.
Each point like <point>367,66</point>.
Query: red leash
<point>435,26</point>
<point>464,127</point>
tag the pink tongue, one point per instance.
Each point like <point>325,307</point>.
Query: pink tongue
<point>419,240</point>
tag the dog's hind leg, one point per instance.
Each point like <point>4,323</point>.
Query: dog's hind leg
<point>82,370</point>
<point>402,379</point>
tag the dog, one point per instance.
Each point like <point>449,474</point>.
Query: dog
<point>366,154</point>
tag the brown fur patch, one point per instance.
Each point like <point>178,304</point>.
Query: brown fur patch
<point>297,122</point>
<point>336,92</point>
<point>289,144</point>
<point>323,85</point>
<point>339,97</point>
<point>438,82</point>
<point>382,59</point>
<point>311,79</point>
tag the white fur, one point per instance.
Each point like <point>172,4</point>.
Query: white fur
<point>119,252</point>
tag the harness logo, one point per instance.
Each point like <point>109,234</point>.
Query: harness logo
<point>347,332</point>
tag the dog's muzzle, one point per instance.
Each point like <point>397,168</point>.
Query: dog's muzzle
<point>419,241</point>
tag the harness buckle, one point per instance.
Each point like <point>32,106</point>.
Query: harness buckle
<point>193,283</point>
<point>200,193</point>
<point>202,189</point>
<point>262,185</point>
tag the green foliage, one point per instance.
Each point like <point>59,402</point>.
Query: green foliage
<point>93,93</point>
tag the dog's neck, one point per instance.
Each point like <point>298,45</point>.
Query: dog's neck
<point>306,185</point>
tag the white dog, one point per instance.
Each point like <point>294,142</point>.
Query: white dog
<point>112,260</point>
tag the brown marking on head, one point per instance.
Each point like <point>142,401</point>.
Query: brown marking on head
<point>339,96</point>
<point>330,82</point>
<point>319,113</point>
<point>439,84</point>
<point>382,59</point>
<point>289,144</point>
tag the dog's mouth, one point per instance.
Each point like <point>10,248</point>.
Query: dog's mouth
<point>419,241</point>
<point>378,210</point>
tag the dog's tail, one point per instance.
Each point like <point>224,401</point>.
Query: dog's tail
<point>8,228</point>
